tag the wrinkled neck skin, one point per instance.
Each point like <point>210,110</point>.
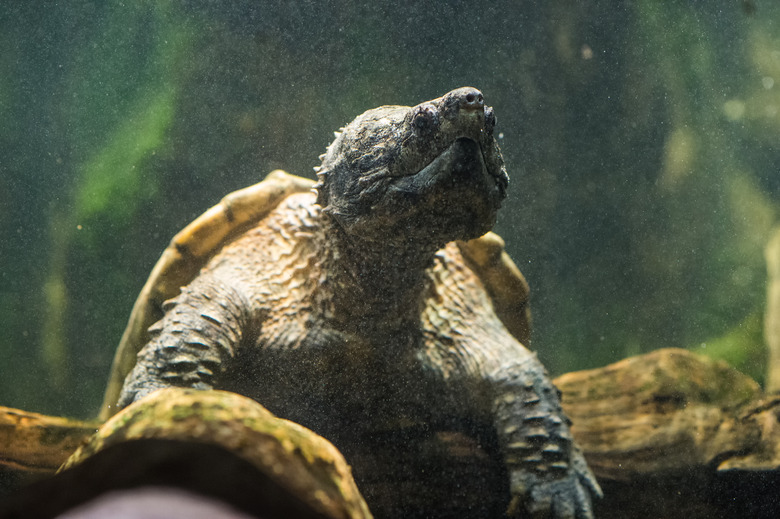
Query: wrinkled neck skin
<point>374,287</point>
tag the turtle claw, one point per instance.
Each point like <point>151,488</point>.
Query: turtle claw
<point>552,500</point>
<point>565,498</point>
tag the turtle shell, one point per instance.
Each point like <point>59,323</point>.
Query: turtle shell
<point>193,246</point>
<point>187,253</point>
<point>503,281</point>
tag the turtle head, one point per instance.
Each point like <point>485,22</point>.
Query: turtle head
<point>430,173</point>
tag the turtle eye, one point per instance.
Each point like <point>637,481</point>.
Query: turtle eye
<point>425,119</point>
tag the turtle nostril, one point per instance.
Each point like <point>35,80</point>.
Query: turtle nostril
<point>468,99</point>
<point>472,100</point>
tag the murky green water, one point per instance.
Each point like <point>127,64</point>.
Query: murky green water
<point>641,140</point>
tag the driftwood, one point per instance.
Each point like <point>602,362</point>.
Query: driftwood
<point>673,434</point>
<point>296,473</point>
<point>34,445</point>
<point>668,434</point>
<point>668,411</point>
<point>772,316</point>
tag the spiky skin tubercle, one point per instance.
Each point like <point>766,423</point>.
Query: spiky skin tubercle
<point>354,309</point>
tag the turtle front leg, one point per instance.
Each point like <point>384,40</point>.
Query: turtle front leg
<point>548,473</point>
<point>201,329</point>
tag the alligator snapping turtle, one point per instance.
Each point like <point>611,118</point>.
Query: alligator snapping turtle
<point>360,308</point>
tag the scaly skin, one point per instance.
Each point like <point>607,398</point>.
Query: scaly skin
<point>355,311</point>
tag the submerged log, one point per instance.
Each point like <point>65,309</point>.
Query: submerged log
<point>673,434</point>
<point>665,411</point>
<point>34,445</point>
<point>668,434</point>
<point>209,444</point>
<point>296,460</point>
<point>772,315</point>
